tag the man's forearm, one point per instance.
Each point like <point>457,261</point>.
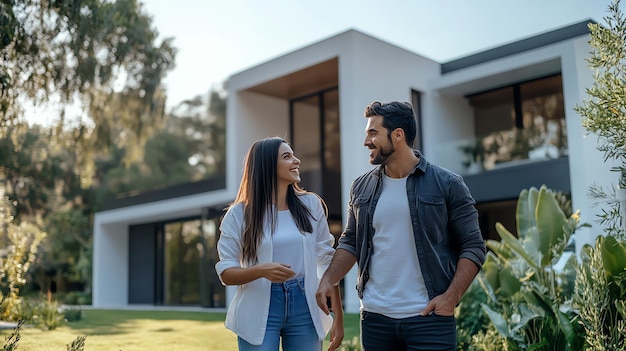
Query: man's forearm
<point>340,265</point>
<point>465,273</point>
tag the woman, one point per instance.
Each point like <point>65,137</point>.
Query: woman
<point>275,244</point>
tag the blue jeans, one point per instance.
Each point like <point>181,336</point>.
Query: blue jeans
<point>432,332</point>
<point>289,318</point>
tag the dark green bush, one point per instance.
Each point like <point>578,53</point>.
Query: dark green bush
<point>72,314</point>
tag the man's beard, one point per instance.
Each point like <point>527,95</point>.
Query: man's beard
<point>383,155</point>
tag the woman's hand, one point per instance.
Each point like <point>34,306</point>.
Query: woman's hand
<point>336,334</point>
<point>275,272</point>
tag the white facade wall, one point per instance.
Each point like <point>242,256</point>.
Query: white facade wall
<point>365,75</point>
<point>110,241</point>
<point>587,166</point>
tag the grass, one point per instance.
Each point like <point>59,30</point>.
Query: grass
<point>122,330</point>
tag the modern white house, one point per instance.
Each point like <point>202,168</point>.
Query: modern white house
<point>503,118</point>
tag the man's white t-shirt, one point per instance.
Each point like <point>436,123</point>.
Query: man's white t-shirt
<point>396,286</point>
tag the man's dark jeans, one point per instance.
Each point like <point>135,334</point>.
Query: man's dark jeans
<point>432,332</point>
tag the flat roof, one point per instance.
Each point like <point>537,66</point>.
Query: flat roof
<point>186,189</point>
<point>534,42</point>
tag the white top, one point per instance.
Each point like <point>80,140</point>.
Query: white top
<point>249,308</point>
<point>396,286</point>
<point>287,243</point>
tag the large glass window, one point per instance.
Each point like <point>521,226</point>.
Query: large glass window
<point>190,254</point>
<point>315,130</point>
<point>416,98</point>
<point>518,122</point>
<point>543,116</point>
<point>182,263</point>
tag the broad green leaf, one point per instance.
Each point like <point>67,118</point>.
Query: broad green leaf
<point>515,245</point>
<point>490,272</point>
<point>565,324</point>
<point>613,256</point>
<point>550,222</point>
<point>498,321</point>
<point>532,244</point>
<point>525,212</point>
<point>537,345</point>
<point>526,315</point>
<point>509,284</point>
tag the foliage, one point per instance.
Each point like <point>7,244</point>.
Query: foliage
<point>201,124</point>
<point>487,340</point>
<point>75,298</point>
<point>353,344</point>
<point>47,315</point>
<point>42,179</point>
<point>77,344</point>
<point>190,147</point>
<point>13,339</point>
<point>66,253</point>
<point>22,242</point>
<point>601,279</point>
<point>36,174</point>
<point>531,296</point>
<point>601,294</point>
<point>102,55</point>
<point>604,113</point>
<point>470,317</point>
<point>72,314</point>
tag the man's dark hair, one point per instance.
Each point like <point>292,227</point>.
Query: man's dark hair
<point>395,115</point>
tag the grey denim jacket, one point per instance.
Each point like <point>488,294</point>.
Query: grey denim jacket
<point>443,216</point>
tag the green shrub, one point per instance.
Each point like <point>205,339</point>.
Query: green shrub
<point>531,298</point>
<point>601,294</point>
<point>72,314</point>
<point>470,317</point>
<point>78,344</point>
<point>76,298</point>
<point>351,345</point>
<point>488,340</point>
<point>12,340</point>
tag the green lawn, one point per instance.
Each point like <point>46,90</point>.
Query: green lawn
<point>115,330</point>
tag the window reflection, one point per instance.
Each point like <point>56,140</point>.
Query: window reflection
<point>518,122</point>
<point>189,259</point>
<point>315,128</point>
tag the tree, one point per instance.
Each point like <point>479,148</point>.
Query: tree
<point>201,122</point>
<point>17,254</point>
<point>190,147</point>
<point>604,113</point>
<point>100,55</point>
<point>37,174</point>
<point>601,277</point>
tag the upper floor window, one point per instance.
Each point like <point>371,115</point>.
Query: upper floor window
<point>517,122</point>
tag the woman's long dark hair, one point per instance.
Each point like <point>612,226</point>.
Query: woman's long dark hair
<point>258,193</point>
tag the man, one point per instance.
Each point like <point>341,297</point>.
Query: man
<point>413,229</point>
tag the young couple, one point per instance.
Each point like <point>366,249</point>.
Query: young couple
<point>412,228</point>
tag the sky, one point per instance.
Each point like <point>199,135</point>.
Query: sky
<point>218,38</point>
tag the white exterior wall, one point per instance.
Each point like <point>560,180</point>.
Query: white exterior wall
<point>587,166</point>
<point>362,80</point>
<point>110,241</point>
<point>110,264</point>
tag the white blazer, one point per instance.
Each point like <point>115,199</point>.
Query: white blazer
<point>249,308</point>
